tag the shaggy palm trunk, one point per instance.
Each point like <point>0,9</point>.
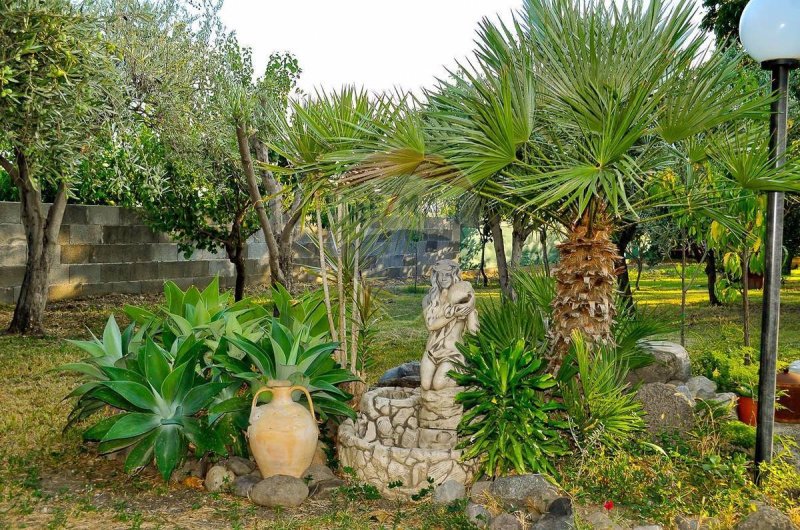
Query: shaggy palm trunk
<point>585,280</point>
<point>500,253</point>
<point>340,285</point>
<point>323,271</point>
<point>545,252</point>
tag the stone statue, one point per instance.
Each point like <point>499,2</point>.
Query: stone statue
<point>449,309</point>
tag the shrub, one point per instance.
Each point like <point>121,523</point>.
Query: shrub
<point>729,370</point>
<point>596,396</point>
<point>739,434</point>
<point>508,423</point>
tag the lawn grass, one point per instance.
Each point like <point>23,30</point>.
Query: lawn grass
<point>49,479</point>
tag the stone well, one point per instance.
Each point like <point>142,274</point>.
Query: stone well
<point>382,445</point>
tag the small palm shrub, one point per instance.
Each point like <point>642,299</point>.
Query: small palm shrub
<point>596,397</point>
<point>508,423</point>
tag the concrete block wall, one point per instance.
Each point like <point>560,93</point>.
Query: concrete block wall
<point>107,249</point>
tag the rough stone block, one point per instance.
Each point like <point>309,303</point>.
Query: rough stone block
<point>10,212</point>
<point>85,234</point>
<point>63,291</point>
<point>164,252</point>
<point>129,271</point>
<point>13,255</point>
<point>63,234</point>
<point>75,214</point>
<point>12,276</point>
<point>129,217</point>
<point>128,234</point>
<point>152,286</point>
<point>11,233</point>
<point>7,295</point>
<point>122,253</point>
<point>85,273</point>
<point>182,269</point>
<point>76,253</point>
<point>102,215</point>
<point>220,267</point>
<point>99,289</point>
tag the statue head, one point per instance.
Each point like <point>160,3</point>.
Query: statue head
<point>444,274</point>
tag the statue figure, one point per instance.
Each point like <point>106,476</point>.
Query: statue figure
<point>449,309</point>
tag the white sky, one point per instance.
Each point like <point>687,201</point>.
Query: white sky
<point>377,44</point>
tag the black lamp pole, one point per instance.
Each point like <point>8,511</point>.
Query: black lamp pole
<point>770,315</point>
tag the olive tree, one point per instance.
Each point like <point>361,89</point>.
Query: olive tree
<point>57,78</point>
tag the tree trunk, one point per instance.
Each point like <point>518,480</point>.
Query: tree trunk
<point>340,283</point>
<point>500,253</point>
<point>484,241</point>
<point>234,247</point>
<point>585,280</point>
<point>521,229</point>
<point>711,274</point>
<point>683,290</point>
<point>545,252</point>
<point>746,301</point>
<point>323,271</point>
<point>275,272</point>
<point>41,232</point>
<point>625,236</point>
<point>356,321</point>
<point>639,267</point>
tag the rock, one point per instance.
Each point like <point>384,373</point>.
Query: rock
<point>562,506</point>
<point>670,363</point>
<point>505,521</point>
<point>702,387</point>
<point>525,491</point>
<point>684,391</point>
<point>686,522</point>
<point>550,521</point>
<point>325,488</point>
<point>219,478</point>
<point>478,490</point>
<point>190,468</point>
<point>666,410</point>
<point>726,398</point>
<point>406,375</point>
<point>766,517</point>
<point>239,465</point>
<point>649,527</point>
<point>317,473</point>
<point>256,473</point>
<point>320,455</point>
<point>597,517</point>
<point>279,490</point>
<point>448,492</point>
<point>478,515</point>
<point>244,484</point>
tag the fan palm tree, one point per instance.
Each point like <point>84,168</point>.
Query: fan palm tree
<point>568,113</point>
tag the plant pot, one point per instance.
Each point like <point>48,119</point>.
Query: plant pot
<point>788,383</point>
<point>747,410</point>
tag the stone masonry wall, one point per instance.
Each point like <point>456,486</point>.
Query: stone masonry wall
<point>107,249</point>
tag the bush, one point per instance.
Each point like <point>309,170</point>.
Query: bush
<point>508,423</point>
<point>739,434</point>
<point>729,370</point>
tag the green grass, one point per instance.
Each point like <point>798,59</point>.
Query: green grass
<point>50,479</point>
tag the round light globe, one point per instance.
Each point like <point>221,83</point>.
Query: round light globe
<point>770,29</point>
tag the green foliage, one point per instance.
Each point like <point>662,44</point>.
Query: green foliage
<point>296,357</point>
<point>597,398</point>
<point>508,424</point>
<point>162,399</point>
<point>728,369</point>
<point>739,434</point>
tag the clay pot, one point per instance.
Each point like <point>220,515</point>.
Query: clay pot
<point>747,410</point>
<point>282,434</point>
<point>789,411</point>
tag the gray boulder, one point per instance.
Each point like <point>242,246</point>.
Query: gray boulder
<point>448,492</point>
<point>326,488</point>
<point>219,478</point>
<point>685,392</point>
<point>317,473</point>
<point>562,506</point>
<point>240,466</point>
<point>666,410</point>
<point>670,362</point>
<point>406,375</point>
<point>702,387</point>
<point>649,527</point>
<point>279,490</point>
<point>766,517</point>
<point>244,484</point>
<point>550,521</point>
<point>597,518</point>
<point>686,522</point>
<point>478,515</point>
<point>525,492</point>
<point>478,490</point>
<point>726,398</point>
<point>505,521</point>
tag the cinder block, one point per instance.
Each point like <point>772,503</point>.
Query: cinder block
<point>76,253</point>
<point>221,267</point>
<point>200,255</point>
<point>75,214</point>
<point>11,233</point>
<point>152,286</point>
<point>102,215</point>
<point>63,234</point>
<point>114,272</point>
<point>164,252</point>
<point>63,291</point>
<point>10,212</point>
<point>7,296</point>
<point>199,282</point>
<point>128,234</point>
<point>122,253</point>
<point>12,276</point>
<point>85,234</point>
<point>182,269</point>
<point>100,289</point>
<point>88,273</point>
<point>129,217</point>
<point>257,251</point>
<point>13,255</point>
<point>58,273</point>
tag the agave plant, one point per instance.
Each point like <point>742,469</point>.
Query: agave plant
<point>291,356</point>
<point>508,423</point>
<point>161,399</point>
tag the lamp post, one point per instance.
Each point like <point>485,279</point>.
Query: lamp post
<point>770,32</point>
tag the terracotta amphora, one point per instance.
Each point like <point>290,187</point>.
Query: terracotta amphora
<point>282,434</point>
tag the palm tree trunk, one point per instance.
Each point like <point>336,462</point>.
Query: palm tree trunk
<point>585,281</point>
<point>683,290</point>
<point>746,300</point>
<point>500,253</point>
<point>545,252</point>
<point>323,271</point>
<point>711,275</point>
<point>356,323</point>
<point>340,284</point>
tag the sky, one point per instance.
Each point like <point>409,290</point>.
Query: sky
<point>376,44</point>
